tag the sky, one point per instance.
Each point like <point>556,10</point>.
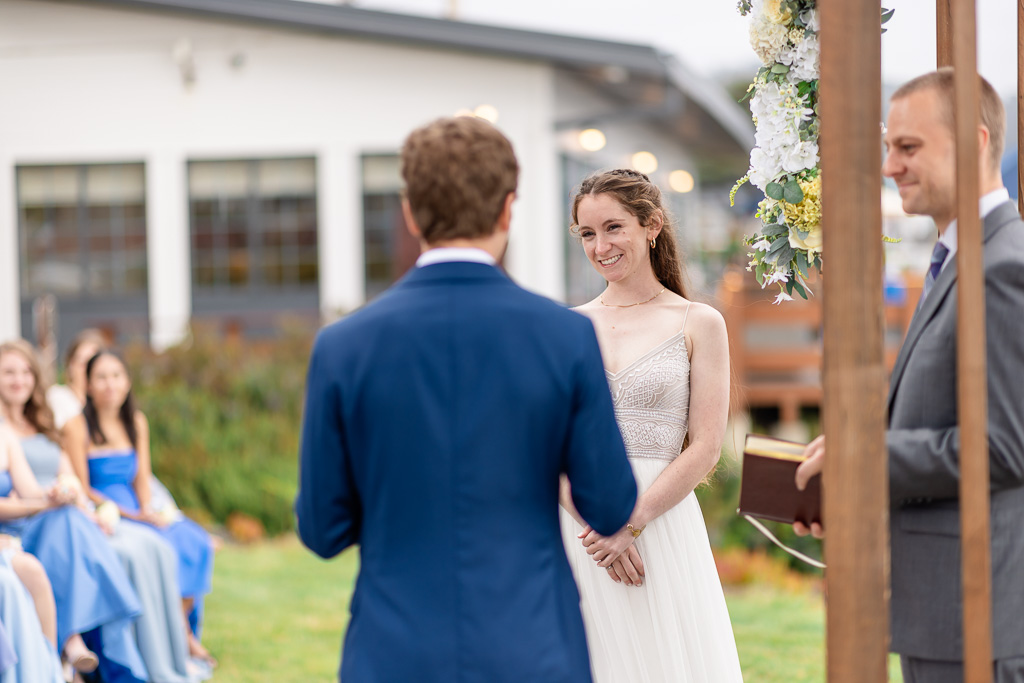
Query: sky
<point>710,37</point>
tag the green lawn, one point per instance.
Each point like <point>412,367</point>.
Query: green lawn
<point>277,614</point>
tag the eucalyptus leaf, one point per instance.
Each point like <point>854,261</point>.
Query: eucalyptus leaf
<point>780,69</point>
<point>887,15</point>
<point>776,247</point>
<point>792,192</point>
<point>784,255</point>
<point>799,289</point>
<point>801,263</point>
<point>802,233</point>
<point>774,230</point>
<point>759,274</point>
<point>774,190</point>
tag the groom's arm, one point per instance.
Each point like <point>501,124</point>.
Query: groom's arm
<point>601,480</point>
<point>925,463</point>
<point>327,506</point>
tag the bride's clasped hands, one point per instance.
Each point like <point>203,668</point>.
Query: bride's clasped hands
<point>616,553</point>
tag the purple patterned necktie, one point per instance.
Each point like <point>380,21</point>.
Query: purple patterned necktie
<point>939,254</point>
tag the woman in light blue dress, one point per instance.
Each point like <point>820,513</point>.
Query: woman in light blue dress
<point>25,652</point>
<point>90,588</point>
<point>151,562</point>
<point>115,466</point>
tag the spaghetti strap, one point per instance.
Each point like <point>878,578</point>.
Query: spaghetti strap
<point>685,314</point>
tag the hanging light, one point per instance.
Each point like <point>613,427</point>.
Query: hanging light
<point>645,162</point>
<point>681,181</point>
<point>486,112</point>
<point>592,139</point>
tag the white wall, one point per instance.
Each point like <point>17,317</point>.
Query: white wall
<point>94,84</point>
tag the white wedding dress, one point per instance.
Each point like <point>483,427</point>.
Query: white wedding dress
<point>675,627</point>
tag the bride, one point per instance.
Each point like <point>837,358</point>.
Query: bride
<point>651,598</point>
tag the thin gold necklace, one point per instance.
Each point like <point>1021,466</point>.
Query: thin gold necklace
<point>638,303</point>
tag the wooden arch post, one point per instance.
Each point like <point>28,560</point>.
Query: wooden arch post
<point>856,469</point>
<point>972,377</point>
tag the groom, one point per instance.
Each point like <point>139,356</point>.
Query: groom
<point>923,437</point>
<point>437,422</point>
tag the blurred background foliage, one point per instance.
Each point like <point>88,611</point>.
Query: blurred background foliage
<point>224,416</point>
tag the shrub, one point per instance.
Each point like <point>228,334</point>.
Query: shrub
<point>224,418</point>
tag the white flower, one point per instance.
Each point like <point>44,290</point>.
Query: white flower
<point>767,39</point>
<point>800,156</point>
<point>782,297</point>
<point>761,245</point>
<point>803,59</point>
<point>810,19</point>
<point>777,276</point>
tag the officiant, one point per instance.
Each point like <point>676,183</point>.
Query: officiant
<point>923,437</point>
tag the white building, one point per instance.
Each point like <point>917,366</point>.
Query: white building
<point>234,160</point>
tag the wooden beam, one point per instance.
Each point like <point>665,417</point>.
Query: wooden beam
<point>943,33</point>
<point>1020,106</point>
<point>971,362</point>
<point>856,507</point>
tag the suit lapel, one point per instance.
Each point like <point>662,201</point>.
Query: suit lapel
<point>1000,216</point>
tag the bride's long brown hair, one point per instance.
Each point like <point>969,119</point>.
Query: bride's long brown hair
<point>642,198</point>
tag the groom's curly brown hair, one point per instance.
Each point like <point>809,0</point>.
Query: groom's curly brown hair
<point>458,172</point>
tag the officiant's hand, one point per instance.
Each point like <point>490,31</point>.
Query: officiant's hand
<point>812,466</point>
<point>628,568</point>
<point>606,549</point>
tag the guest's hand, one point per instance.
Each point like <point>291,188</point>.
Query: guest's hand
<point>59,496</point>
<point>150,516</point>
<point>605,549</point>
<point>812,466</point>
<point>628,568</point>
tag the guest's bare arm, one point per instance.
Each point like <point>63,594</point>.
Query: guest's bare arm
<point>76,440</point>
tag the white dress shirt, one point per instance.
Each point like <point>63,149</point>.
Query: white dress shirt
<point>456,254</point>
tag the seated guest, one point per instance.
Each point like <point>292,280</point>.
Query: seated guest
<point>150,562</point>
<point>28,615</point>
<point>90,588</point>
<point>109,449</point>
<point>67,400</point>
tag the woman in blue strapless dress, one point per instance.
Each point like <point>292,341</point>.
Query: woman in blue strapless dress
<point>91,590</point>
<point>114,465</point>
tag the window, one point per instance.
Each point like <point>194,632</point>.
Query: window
<point>389,249</point>
<point>254,225</point>
<point>83,230</point>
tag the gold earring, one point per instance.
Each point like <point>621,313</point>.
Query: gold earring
<point>653,241</point>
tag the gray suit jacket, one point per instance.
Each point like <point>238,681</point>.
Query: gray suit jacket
<point>924,449</point>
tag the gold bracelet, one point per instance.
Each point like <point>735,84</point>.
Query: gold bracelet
<point>636,532</point>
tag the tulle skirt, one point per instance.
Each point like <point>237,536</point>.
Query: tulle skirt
<point>675,627</point>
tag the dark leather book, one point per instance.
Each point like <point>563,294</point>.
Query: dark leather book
<point>768,486</point>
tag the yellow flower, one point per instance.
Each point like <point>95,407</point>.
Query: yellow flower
<point>805,216</point>
<point>776,13</point>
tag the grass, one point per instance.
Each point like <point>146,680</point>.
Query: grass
<point>277,613</point>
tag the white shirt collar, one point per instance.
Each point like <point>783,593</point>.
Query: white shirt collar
<point>986,205</point>
<point>455,254</point>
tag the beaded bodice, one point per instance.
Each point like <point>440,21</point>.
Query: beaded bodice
<point>652,400</point>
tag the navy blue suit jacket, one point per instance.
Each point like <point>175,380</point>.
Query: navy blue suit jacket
<point>436,424</point>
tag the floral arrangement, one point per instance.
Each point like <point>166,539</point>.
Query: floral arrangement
<point>784,163</point>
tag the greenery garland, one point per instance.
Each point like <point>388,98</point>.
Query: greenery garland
<point>784,163</point>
